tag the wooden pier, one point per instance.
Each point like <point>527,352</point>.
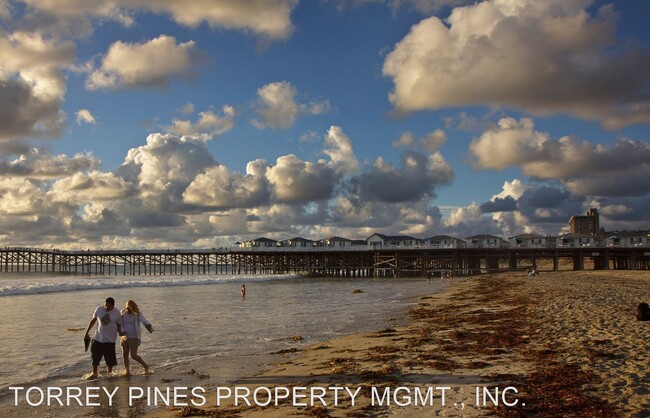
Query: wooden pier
<point>367,262</point>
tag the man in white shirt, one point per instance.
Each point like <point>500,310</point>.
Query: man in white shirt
<point>108,320</point>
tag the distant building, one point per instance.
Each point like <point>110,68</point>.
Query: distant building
<point>575,240</point>
<point>381,240</point>
<point>527,241</point>
<point>444,241</point>
<point>629,239</point>
<point>298,242</point>
<point>484,241</point>
<point>585,224</point>
<point>261,242</point>
<point>336,242</point>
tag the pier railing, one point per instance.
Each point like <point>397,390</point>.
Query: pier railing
<point>328,261</point>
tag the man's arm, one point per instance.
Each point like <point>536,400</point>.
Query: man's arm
<point>90,325</point>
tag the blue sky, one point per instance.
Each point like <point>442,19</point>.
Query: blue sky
<point>144,124</point>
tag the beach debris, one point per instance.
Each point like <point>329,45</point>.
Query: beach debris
<point>317,411</point>
<point>286,351</point>
<point>74,329</point>
<point>167,380</point>
<point>357,291</point>
<point>297,338</point>
<point>322,347</point>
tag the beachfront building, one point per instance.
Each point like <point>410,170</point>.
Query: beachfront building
<point>261,242</point>
<point>629,239</point>
<point>527,241</point>
<point>298,242</point>
<point>485,241</point>
<point>443,241</point>
<point>336,242</point>
<point>585,224</point>
<point>382,241</point>
<point>575,240</point>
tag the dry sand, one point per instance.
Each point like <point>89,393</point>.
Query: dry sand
<point>567,341</point>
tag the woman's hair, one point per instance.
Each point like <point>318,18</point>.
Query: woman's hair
<point>132,306</point>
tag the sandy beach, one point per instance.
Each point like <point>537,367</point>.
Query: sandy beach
<point>564,344</point>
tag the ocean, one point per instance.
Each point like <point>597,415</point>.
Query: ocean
<point>199,320</point>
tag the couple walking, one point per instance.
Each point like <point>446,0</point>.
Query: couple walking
<point>111,323</point>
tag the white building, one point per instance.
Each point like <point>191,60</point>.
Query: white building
<point>629,239</point>
<point>298,242</point>
<point>335,242</point>
<point>485,241</point>
<point>527,241</point>
<point>575,240</point>
<point>261,242</point>
<point>383,241</point>
<point>444,241</point>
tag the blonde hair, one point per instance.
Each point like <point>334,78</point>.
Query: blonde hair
<point>132,306</point>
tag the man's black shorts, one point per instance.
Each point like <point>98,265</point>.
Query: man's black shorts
<point>106,350</point>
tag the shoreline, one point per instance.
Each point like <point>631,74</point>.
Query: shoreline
<point>560,344</point>
<point>567,342</point>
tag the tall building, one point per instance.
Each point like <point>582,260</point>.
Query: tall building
<point>585,224</point>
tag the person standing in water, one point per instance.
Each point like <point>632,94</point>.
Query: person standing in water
<point>108,322</point>
<point>132,317</point>
<point>243,291</point>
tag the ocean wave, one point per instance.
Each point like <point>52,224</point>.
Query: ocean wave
<point>33,286</point>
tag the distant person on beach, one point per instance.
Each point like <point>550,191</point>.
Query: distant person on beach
<point>132,317</point>
<point>108,320</point>
<point>243,291</point>
<point>643,312</point>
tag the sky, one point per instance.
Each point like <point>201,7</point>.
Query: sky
<point>197,124</point>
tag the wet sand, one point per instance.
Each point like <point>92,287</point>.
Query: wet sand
<point>568,342</point>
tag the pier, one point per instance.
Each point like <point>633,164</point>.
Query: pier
<point>361,262</point>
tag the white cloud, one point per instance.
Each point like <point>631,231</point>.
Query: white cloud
<point>84,116</point>
<point>276,104</point>
<point>39,163</point>
<point>269,19</point>
<point>91,187</point>
<point>150,64</point>
<point>543,57</point>
<point>294,180</point>
<point>338,148</point>
<point>405,140</point>
<point>208,123</point>
<point>585,168</point>
<point>433,141</point>
<point>32,85</point>
<point>217,187</point>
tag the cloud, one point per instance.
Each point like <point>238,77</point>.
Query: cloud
<point>418,176</point>
<point>338,148</point>
<point>151,64</point>
<point>209,123</point>
<point>541,57</point>
<point>584,167</point>
<point>39,163</point>
<point>269,19</point>
<point>405,140</point>
<point>94,186</point>
<point>276,104</point>
<point>294,180</point>
<point>32,85</point>
<point>506,204</point>
<point>433,141</point>
<point>84,116</point>
<point>220,189</point>
<point>187,108</point>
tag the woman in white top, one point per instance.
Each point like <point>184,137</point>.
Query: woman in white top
<point>130,341</point>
